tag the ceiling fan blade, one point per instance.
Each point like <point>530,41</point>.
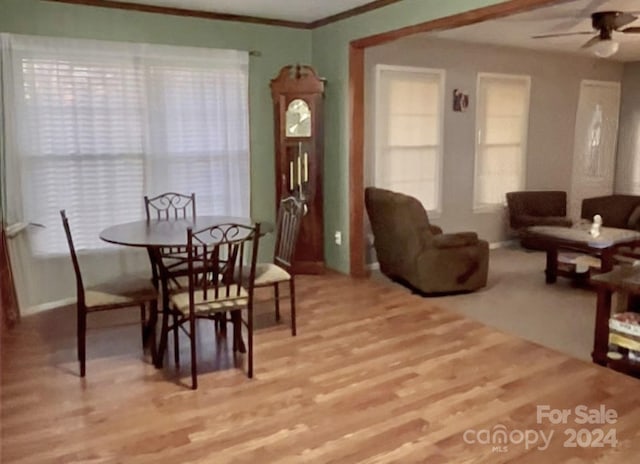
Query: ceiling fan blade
<point>631,30</point>
<point>592,41</point>
<point>563,34</point>
<point>624,19</point>
<point>580,16</point>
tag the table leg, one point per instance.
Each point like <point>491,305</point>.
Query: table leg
<point>551,271</point>
<point>606,259</point>
<point>601,333</point>
<point>150,328</point>
<point>160,282</point>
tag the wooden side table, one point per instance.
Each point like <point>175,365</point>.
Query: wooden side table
<point>626,281</point>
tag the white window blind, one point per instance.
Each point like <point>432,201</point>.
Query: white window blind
<point>409,124</point>
<point>104,123</point>
<point>502,119</point>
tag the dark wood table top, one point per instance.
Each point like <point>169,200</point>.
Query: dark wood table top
<point>167,233</point>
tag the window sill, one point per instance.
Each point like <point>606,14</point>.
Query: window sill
<point>489,209</point>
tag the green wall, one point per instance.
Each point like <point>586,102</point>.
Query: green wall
<point>279,46</point>
<point>326,48</point>
<point>330,56</point>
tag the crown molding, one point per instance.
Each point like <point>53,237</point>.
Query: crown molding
<point>115,4</point>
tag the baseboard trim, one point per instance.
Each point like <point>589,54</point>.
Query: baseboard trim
<point>47,306</point>
<point>373,266</point>
<point>503,244</point>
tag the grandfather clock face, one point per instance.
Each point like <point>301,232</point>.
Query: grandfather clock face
<point>298,119</point>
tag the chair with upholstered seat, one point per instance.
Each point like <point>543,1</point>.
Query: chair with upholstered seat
<point>215,256</point>
<point>273,274</point>
<point>170,262</point>
<point>168,206</point>
<point>123,292</point>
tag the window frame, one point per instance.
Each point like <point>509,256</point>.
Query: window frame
<point>524,143</point>
<point>378,120</point>
<point>29,163</point>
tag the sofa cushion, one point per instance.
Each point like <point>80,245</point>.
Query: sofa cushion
<point>616,210</point>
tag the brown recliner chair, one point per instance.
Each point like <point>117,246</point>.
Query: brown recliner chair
<point>414,252</point>
<point>536,208</point>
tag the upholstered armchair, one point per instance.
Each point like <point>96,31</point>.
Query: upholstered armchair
<point>414,252</point>
<point>536,208</point>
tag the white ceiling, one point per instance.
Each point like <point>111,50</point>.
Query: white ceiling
<point>291,10</point>
<point>572,16</point>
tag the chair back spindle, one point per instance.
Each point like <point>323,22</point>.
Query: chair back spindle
<point>170,205</point>
<point>74,257</point>
<point>288,222</point>
<point>215,257</point>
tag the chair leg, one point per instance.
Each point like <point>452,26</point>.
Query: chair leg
<point>292,297</point>
<point>176,341</point>
<point>163,339</point>
<point>143,320</point>
<point>82,340</point>
<point>165,324</point>
<point>192,339</point>
<point>250,340</point>
<point>276,295</point>
<point>153,319</point>
<point>221,320</point>
<point>236,323</point>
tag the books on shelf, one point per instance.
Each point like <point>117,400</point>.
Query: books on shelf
<point>625,323</point>
<point>624,342</point>
<point>624,331</point>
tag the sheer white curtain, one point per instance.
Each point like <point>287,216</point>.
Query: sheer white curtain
<point>96,126</point>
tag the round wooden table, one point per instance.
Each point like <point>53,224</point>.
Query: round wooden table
<point>166,233</point>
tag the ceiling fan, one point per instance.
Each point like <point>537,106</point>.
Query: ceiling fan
<point>604,23</point>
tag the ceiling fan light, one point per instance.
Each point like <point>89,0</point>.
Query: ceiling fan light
<point>605,48</point>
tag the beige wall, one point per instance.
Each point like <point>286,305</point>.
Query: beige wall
<point>555,85</point>
<point>628,160</point>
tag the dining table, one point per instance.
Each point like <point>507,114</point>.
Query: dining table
<point>166,233</point>
<point>156,234</point>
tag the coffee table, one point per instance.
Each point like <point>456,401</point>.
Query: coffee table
<point>555,238</point>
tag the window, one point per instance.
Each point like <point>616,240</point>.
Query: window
<point>409,128</point>
<point>502,119</point>
<point>104,123</point>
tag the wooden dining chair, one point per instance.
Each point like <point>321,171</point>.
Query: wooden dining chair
<point>290,212</point>
<point>170,205</point>
<point>124,292</point>
<point>169,263</point>
<point>214,256</point>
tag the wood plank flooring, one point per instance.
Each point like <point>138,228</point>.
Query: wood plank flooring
<point>376,375</point>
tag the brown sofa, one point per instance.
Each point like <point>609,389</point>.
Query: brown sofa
<point>416,253</point>
<point>622,211</point>
<point>536,208</point>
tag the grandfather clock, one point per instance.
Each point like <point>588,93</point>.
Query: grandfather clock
<point>297,94</point>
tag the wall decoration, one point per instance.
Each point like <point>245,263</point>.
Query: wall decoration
<point>460,100</point>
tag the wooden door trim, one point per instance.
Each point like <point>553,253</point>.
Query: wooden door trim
<point>357,267</point>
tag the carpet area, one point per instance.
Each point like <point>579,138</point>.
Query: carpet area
<point>516,300</point>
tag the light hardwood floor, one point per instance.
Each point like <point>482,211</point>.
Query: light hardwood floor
<point>376,375</point>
